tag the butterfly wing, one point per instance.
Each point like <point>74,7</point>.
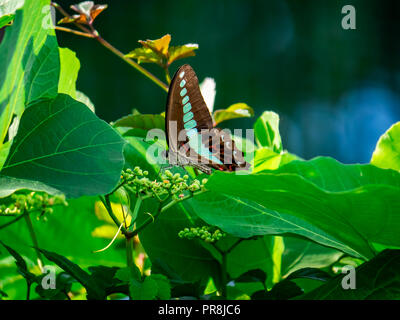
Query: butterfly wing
<point>187,111</point>
<point>185,106</point>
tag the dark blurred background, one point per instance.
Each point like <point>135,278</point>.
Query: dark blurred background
<point>336,90</point>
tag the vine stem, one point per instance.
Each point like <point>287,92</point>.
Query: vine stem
<point>93,33</point>
<point>107,204</point>
<point>224,276</point>
<point>129,253</point>
<point>35,241</point>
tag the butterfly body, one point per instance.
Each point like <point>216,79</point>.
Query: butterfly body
<point>191,138</point>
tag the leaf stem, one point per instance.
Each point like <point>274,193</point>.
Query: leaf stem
<point>224,275</point>
<point>107,204</point>
<point>35,241</point>
<point>167,76</point>
<point>19,217</point>
<point>28,289</point>
<point>129,253</point>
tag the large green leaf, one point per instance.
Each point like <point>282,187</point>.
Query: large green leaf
<point>246,218</point>
<point>355,204</point>
<point>8,185</point>
<point>387,151</point>
<point>29,62</point>
<point>375,280</point>
<point>62,144</point>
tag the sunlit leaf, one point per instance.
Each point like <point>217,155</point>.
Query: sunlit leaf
<point>69,68</point>
<point>387,151</point>
<point>237,110</point>
<point>5,20</point>
<point>144,55</point>
<point>158,51</point>
<point>180,52</point>
<point>159,46</point>
<point>266,131</point>
<point>267,159</point>
<point>29,62</point>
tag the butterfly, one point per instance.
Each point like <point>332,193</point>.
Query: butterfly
<point>192,140</point>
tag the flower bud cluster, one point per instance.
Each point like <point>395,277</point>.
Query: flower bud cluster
<point>169,183</point>
<point>33,201</point>
<point>205,233</point>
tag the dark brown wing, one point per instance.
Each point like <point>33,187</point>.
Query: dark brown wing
<point>224,148</point>
<point>185,105</point>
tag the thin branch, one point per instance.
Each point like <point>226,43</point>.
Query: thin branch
<point>76,32</point>
<point>95,34</point>
<point>13,221</point>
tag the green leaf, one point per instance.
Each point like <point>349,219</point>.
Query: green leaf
<point>144,55</point>
<point>29,62</point>
<point>246,218</point>
<point>302,253</point>
<point>70,66</point>
<point>252,275</point>
<point>266,131</point>
<point>377,279</point>
<point>93,289</point>
<point>161,242</point>
<point>264,253</point>
<point>62,144</point>
<point>180,52</point>
<point>351,203</point>
<point>75,223</point>
<point>310,273</point>
<point>159,46</point>
<point>126,274</point>
<point>387,151</point>
<point>153,286</point>
<point>142,121</point>
<point>267,159</point>
<point>5,20</point>
<point>158,51</point>
<point>146,290</point>
<point>21,264</point>
<point>8,185</point>
<point>163,286</point>
<point>237,110</point>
